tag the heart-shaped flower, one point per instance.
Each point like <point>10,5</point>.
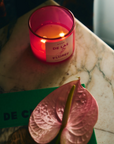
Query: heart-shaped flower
<point>68,112</point>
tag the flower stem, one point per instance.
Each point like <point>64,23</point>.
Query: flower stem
<point>66,112</point>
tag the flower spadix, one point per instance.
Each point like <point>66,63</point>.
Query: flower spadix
<point>69,112</point>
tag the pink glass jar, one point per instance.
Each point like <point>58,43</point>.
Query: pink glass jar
<point>52,33</point>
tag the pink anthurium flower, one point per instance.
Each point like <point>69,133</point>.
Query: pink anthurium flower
<point>69,112</point>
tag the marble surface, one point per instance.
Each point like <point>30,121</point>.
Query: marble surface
<point>92,60</point>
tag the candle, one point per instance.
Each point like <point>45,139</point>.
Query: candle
<point>51,31</point>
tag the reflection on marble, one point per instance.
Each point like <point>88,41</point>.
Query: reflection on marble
<point>92,60</point>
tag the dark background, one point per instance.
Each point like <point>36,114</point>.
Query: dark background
<point>82,9</point>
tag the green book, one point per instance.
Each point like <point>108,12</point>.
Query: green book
<point>16,107</point>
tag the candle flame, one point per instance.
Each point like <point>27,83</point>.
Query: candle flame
<point>62,34</point>
<point>43,41</point>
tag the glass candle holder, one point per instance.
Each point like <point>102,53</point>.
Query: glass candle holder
<point>52,33</point>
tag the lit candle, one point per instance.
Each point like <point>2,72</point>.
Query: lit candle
<point>52,31</point>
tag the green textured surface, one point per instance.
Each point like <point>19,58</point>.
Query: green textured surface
<point>15,108</point>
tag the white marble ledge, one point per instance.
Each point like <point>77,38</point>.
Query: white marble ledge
<point>92,60</point>
<point>104,137</point>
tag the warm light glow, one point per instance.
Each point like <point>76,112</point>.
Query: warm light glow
<point>43,41</point>
<point>62,34</point>
<point>52,31</point>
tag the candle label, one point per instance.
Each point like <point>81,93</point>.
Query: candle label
<point>58,51</point>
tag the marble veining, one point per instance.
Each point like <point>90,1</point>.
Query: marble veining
<point>92,60</point>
